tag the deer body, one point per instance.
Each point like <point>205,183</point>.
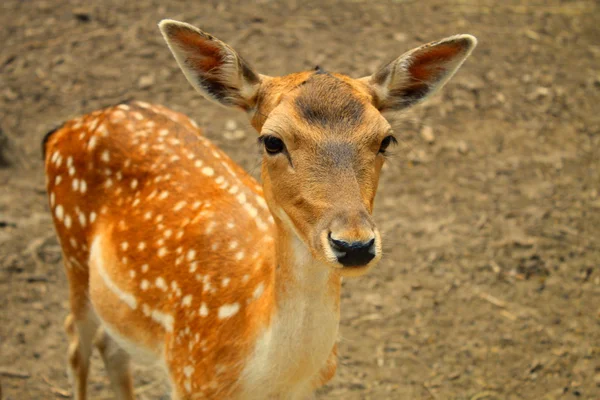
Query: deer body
<point>151,239</point>
<point>174,254</point>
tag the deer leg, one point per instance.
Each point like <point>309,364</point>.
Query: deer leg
<point>116,361</point>
<point>81,333</point>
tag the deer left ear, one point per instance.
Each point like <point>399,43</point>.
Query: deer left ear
<point>418,74</point>
<point>211,66</point>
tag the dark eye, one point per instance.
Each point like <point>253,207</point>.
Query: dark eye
<point>386,143</point>
<point>272,144</point>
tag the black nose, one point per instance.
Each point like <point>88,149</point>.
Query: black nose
<point>353,254</point>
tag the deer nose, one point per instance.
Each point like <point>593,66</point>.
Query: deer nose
<point>353,254</point>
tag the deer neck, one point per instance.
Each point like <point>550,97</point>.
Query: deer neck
<point>304,325</point>
<point>301,278</point>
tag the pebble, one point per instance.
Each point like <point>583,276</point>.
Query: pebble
<point>238,134</point>
<point>230,125</point>
<point>427,134</point>
<point>146,81</point>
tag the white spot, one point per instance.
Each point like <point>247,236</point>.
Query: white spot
<point>52,198</point>
<point>73,243</point>
<point>179,205</point>
<point>188,386</point>
<point>92,142</point>
<point>162,252</point>
<point>165,320</point>
<point>69,161</point>
<point>105,156</point>
<point>134,183</point>
<point>261,202</point>
<point>187,301</point>
<point>253,212</point>
<point>131,273</point>
<point>168,233</point>
<point>240,256</point>
<point>233,245</point>
<point>233,190</point>
<point>108,183</point>
<point>225,282</point>
<point>124,107</point>
<point>258,291</point>
<point>75,185</point>
<point>57,180</point>
<point>82,186</point>
<point>228,310</point>
<point>191,254</point>
<point>145,268</point>
<point>138,116</point>
<point>71,171</point>
<point>245,278</point>
<point>210,227</point>
<point>136,202</point>
<point>92,217</point>
<point>82,219</point>
<point>102,130</point>
<point>164,194</point>
<point>208,171</point>
<point>163,132</point>
<point>145,284</point>
<point>203,310</point>
<point>188,371</point>
<point>68,221</point>
<point>141,246</point>
<point>219,180</point>
<point>230,225</point>
<point>198,163</point>
<point>161,284</point>
<point>148,215</point>
<point>124,246</point>
<point>193,266</point>
<point>119,175</point>
<point>241,198</point>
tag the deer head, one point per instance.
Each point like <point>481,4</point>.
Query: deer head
<point>324,135</point>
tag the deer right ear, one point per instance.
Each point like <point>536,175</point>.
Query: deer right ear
<point>211,66</point>
<point>418,74</point>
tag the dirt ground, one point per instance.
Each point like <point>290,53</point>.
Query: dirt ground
<point>490,285</point>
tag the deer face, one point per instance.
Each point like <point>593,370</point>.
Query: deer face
<point>323,135</point>
<point>324,146</point>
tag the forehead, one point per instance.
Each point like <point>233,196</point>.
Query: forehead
<point>320,105</point>
<point>326,101</point>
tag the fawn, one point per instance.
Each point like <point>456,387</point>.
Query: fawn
<point>175,254</point>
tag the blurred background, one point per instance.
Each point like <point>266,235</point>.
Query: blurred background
<point>490,207</point>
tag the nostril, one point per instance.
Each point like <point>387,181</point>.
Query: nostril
<point>353,253</point>
<point>345,246</point>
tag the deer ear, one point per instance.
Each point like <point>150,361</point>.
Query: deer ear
<point>211,66</point>
<point>418,74</point>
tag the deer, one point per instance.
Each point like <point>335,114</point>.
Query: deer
<point>175,255</point>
